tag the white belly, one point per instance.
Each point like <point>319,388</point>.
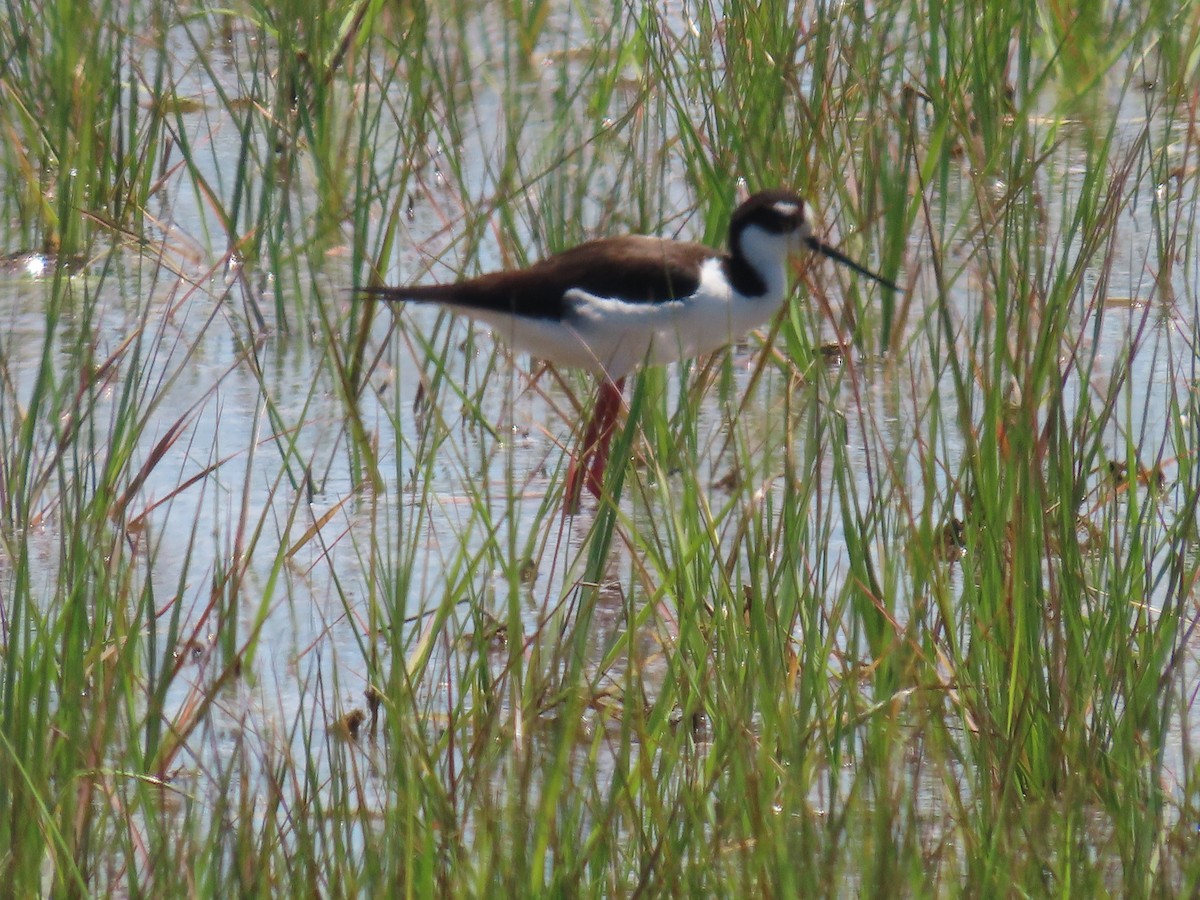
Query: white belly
<point>612,337</point>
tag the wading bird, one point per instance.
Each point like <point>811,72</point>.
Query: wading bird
<point>612,304</point>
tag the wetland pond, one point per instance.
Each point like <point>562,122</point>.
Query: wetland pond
<point>890,572</point>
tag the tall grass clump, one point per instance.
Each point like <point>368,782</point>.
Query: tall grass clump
<point>895,595</point>
<point>83,139</point>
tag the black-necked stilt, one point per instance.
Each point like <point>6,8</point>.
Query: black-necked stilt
<point>612,304</point>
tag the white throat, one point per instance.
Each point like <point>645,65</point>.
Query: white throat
<point>767,252</point>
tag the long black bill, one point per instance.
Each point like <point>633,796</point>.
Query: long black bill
<point>819,246</point>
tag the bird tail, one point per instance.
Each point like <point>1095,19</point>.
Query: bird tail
<point>419,293</point>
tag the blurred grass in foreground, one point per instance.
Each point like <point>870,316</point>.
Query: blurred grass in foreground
<point>902,601</point>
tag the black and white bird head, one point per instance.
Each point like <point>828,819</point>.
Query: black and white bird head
<point>773,225</point>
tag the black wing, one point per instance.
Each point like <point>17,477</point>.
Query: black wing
<point>633,268</point>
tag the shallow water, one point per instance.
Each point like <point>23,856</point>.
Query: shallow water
<point>281,489</point>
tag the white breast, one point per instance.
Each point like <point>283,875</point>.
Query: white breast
<point>613,337</point>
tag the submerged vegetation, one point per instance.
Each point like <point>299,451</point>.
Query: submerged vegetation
<point>898,595</point>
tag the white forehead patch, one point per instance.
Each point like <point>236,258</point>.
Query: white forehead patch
<point>786,208</point>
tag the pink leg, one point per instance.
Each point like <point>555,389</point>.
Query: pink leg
<point>596,440</point>
<point>610,400</point>
<point>578,465</point>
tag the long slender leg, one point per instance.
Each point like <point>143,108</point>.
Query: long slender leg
<point>594,448</point>
<point>578,465</point>
<point>610,397</point>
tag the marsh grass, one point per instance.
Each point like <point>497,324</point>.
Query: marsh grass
<point>287,600</point>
